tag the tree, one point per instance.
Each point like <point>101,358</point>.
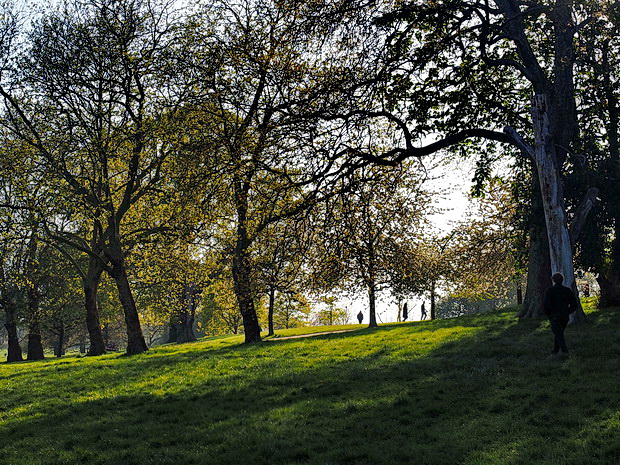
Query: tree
<point>368,226</point>
<point>91,92</point>
<point>254,128</point>
<point>463,70</point>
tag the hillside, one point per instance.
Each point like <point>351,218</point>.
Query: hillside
<point>472,390</point>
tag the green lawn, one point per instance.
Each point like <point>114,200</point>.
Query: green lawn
<point>472,390</point>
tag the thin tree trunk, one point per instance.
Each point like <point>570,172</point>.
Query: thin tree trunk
<point>272,299</point>
<point>372,314</point>
<point>60,342</point>
<point>433,300</point>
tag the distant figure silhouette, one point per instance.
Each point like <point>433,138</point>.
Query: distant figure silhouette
<point>405,312</point>
<point>423,310</point>
<point>360,317</point>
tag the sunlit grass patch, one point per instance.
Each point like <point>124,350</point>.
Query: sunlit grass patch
<point>471,390</point>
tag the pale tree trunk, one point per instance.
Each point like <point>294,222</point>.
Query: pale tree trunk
<point>560,249</point>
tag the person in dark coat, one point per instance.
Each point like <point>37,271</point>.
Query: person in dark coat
<point>560,302</point>
<point>360,317</point>
<point>405,312</point>
<point>423,314</point>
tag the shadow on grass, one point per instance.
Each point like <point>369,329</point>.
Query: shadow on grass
<point>489,396</point>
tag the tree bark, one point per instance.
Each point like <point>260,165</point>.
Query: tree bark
<point>90,284</point>
<point>14,349</point>
<point>272,299</point>
<point>372,313</point>
<point>35,347</point>
<point>610,281</point>
<point>242,268</point>
<point>538,273</point>
<point>135,339</point>
<point>560,249</point>
<point>60,342</point>
<point>433,314</point>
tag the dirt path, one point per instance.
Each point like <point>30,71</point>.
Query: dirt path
<point>309,335</point>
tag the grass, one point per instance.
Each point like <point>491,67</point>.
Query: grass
<point>472,390</point>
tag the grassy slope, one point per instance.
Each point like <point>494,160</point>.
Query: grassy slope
<point>473,390</point>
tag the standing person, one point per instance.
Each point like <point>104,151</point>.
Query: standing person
<point>360,317</point>
<point>560,302</point>
<point>405,312</point>
<point>423,312</point>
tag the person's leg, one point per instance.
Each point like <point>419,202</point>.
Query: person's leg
<point>558,326</point>
<point>558,333</point>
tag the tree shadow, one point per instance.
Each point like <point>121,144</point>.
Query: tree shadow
<point>490,396</point>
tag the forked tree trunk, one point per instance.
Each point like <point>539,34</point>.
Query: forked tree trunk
<point>560,249</point>
<point>372,305</point>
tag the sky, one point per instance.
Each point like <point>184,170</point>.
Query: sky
<point>453,181</point>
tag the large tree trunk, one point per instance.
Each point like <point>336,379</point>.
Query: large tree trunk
<point>14,349</point>
<point>538,273</point>
<point>272,299</point>
<point>560,249</point>
<point>243,291</point>
<point>242,268</point>
<point>610,281</point>
<point>35,347</point>
<point>372,310</point>
<point>135,339</point>
<point>90,284</point>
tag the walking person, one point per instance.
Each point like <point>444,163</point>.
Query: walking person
<point>560,302</point>
<point>360,317</point>
<point>405,312</point>
<point>423,312</point>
